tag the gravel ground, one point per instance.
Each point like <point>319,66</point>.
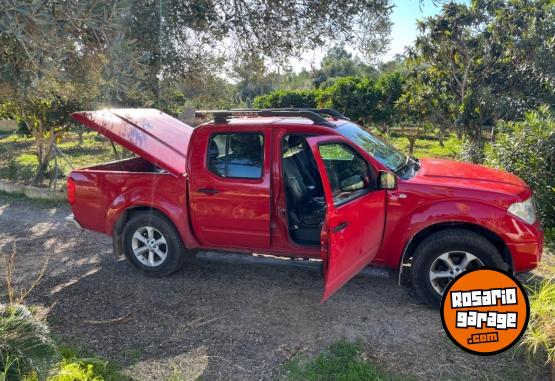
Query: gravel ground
<point>227,318</point>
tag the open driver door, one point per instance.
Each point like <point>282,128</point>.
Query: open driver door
<point>353,227</point>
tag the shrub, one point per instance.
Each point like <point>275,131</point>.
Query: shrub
<point>287,99</point>
<point>75,371</point>
<point>540,335</point>
<point>527,149</point>
<point>26,348</point>
<point>23,168</point>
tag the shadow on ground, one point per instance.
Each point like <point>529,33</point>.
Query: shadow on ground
<point>228,320</point>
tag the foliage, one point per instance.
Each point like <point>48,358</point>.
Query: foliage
<point>355,97</point>
<point>26,348</point>
<point>527,149</point>
<point>338,63</point>
<point>246,32</point>
<point>491,59</point>
<point>342,361</point>
<point>52,59</point>
<point>364,99</point>
<point>287,98</point>
<point>540,335</point>
<point>76,367</point>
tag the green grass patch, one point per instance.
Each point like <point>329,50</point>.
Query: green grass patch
<point>18,160</point>
<point>342,361</point>
<point>430,147</point>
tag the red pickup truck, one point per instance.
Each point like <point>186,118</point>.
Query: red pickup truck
<point>306,183</point>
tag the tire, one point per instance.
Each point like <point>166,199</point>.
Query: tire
<point>445,254</point>
<point>152,244</point>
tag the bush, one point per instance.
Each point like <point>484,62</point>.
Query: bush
<point>287,99</point>
<point>23,168</point>
<point>26,348</point>
<point>527,149</point>
<point>540,335</point>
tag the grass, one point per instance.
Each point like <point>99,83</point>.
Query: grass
<point>18,161</point>
<point>342,361</point>
<point>430,147</point>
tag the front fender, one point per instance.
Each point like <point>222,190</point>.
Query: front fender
<point>401,227</point>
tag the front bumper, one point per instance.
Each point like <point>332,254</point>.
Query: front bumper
<point>527,255</point>
<point>71,218</point>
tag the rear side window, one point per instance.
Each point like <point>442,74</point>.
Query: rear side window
<point>236,155</point>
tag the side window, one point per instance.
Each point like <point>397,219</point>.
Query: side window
<point>238,155</point>
<point>348,172</point>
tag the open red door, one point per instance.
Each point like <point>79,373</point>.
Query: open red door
<point>355,217</point>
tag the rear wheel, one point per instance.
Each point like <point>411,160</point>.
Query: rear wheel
<point>442,256</point>
<point>152,244</point>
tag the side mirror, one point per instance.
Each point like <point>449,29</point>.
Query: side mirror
<point>387,180</point>
<point>351,184</point>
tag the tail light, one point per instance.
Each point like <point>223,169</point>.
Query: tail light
<point>70,191</point>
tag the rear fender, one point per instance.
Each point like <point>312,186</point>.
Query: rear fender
<point>176,210</point>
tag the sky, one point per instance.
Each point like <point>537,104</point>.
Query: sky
<point>403,31</point>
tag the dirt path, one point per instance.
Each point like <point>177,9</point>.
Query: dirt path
<point>225,319</point>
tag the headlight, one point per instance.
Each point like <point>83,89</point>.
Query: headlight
<point>525,210</point>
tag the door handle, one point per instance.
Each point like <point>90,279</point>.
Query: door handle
<point>208,190</point>
<point>340,227</point>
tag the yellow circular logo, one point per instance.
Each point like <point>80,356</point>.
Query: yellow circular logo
<point>485,311</point>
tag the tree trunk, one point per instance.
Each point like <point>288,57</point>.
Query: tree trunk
<point>44,159</point>
<point>80,133</point>
<point>441,137</point>
<point>412,143</point>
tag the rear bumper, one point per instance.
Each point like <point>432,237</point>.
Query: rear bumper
<point>527,255</point>
<point>71,218</point>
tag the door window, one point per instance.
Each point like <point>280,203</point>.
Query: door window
<point>348,173</point>
<point>236,155</point>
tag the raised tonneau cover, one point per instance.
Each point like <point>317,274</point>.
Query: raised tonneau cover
<point>156,136</point>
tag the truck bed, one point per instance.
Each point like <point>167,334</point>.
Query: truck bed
<point>103,191</point>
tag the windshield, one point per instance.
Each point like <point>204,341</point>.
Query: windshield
<point>381,150</point>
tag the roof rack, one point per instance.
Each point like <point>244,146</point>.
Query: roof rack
<point>222,116</point>
<point>323,111</point>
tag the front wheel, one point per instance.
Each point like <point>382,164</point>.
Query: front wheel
<point>442,256</point>
<point>152,244</point>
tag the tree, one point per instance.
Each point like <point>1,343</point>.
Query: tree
<point>338,63</point>
<point>491,59</point>
<point>177,39</point>
<point>287,99</point>
<point>389,87</point>
<point>355,97</point>
<point>50,54</point>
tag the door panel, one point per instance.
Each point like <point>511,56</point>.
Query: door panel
<point>230,191</point>
<point>355,219</point>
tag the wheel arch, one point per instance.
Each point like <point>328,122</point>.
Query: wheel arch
<point>126,215</point>
<point>413,243</point>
